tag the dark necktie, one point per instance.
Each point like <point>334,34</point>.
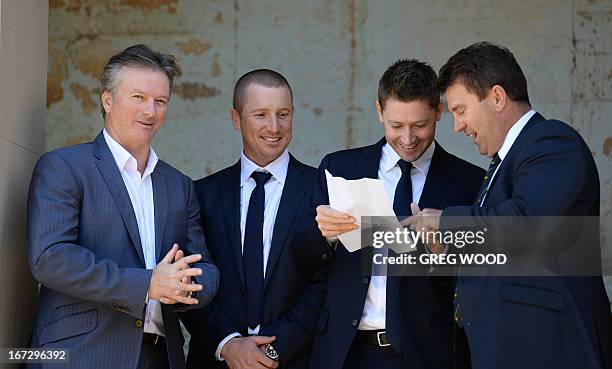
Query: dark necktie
<point>486,182</point>
<point>484,189</point>
<point>401,207</point>
<point>403,191</point>
<point>252,253</point>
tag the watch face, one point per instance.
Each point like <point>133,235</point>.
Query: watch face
<point>271,352</point>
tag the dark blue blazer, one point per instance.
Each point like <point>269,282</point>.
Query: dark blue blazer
<point>421,306</point>
<point>85,250</point>
<point>291,296</point>
<point>537,322</point>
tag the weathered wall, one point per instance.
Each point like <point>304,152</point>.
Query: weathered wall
<point>333,53</point>
<point>23,67</point>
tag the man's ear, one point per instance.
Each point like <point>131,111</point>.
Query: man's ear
<point>235,118</point>
<point>379,111</point>
<point>439,111</point>
<point>106,98</point>
<point>498,97</point>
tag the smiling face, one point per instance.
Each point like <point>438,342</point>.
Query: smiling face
<point>410,127</point>
<point>265,122</point>
<point>135,110</point>
<point>476,118</point>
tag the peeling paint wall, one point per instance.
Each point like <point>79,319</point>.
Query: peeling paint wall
<point>332,52</point>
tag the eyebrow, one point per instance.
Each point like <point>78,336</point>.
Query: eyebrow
<point>137,91</point>
<point>458,106</point>
<point>415,122</point>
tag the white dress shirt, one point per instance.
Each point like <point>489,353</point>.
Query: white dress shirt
<point>274,189</point>
<point>374,310</point>
<point>140,189</point>
<point>512,135</point>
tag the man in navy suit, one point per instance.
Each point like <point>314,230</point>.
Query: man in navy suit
<point>265,311</point>
<point>539,167</point>
<point>101,217</point>
<point>371,320</point>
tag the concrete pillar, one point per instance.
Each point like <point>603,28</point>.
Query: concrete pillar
<point>23,80</point>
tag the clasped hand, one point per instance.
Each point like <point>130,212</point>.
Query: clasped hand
<point>171,281</point>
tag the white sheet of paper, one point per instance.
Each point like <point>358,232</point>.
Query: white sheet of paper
<point>360,197</point>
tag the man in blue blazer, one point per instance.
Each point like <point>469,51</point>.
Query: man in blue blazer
<point>106,220</point>
<point>368,319</point>
<point>539,168</point>
<point>265,311</point>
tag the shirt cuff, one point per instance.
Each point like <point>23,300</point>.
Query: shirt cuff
<point>225,340</point>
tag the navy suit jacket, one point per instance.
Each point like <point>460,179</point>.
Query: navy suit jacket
<point>537,322</point>
<point>84,248</point>
<point>421,306</point>
<point>291,297</point>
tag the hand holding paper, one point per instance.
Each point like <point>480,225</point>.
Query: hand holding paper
<point>349,201</point>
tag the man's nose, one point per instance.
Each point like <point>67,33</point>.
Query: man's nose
<point>458,125</point>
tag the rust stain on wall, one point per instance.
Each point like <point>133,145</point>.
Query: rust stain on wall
<point>193,46</point>
<point>607,146</point>
<point>149,5</point>
<point>317,111</point>
<point>54,4</point>
<point>193,90</point>
<point>91,57</point>
<point>84,96</point>
<point>352,8</point>
<point>215,69</point>
<point>57,73</point>
<point>219,18</point>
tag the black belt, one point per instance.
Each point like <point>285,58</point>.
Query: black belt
<point>376,338</point>
<point>152,339</point>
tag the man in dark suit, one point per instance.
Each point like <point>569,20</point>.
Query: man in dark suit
<point>389,321</point>
<point>101,217</point>
<point>266,309</point>
<point>539,168</point>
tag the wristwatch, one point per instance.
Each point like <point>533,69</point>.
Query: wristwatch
<point>270,352</point>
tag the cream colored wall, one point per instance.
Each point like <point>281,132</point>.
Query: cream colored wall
<point>23,79</point>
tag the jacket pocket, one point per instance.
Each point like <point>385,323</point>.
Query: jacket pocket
<point>533,296</point>
<point>71,325</point>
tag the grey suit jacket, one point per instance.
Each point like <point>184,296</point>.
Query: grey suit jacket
<point>84,248</point>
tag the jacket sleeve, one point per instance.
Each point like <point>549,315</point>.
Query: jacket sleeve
<point>56,258</point>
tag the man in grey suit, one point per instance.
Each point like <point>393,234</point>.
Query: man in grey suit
<point>114,234</point>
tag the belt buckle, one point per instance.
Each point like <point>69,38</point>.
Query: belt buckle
<point>378,336</point>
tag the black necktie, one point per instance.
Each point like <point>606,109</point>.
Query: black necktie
<point>252,253</point>
<point>403,191</point>
<point>486,182</point>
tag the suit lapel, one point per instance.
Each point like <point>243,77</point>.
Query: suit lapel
<point>535,119</point>
<point>160,201</point>
<point>368,166</point>
<point>437,180</point>
<point>108,169</point>
<point>293,192</point>
<point>231,215</point>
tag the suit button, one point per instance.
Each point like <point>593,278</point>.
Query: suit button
<point>365,280</point>
<point>455,296</point>
<point>355,322</point>
<point>138,323</point>
<point>324,257</point>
